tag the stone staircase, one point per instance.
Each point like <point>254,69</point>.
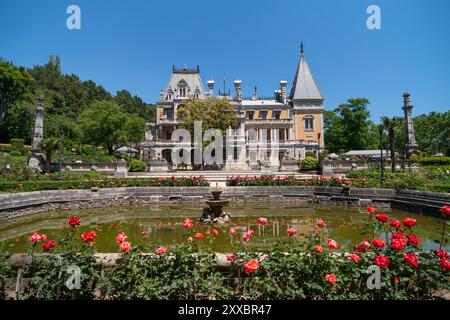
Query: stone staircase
<point>420,201</point>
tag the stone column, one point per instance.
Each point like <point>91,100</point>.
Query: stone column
<point>410,137</point>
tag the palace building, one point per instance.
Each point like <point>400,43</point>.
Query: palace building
<point>293,119</point>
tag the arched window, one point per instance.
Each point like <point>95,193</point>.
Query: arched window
<point>308,123</point>
<point>169,94</point>
<point>182,88</point>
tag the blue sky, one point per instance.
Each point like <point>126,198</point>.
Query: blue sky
<point>133,44</point>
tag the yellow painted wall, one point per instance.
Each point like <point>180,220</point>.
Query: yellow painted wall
<point>302,135</point>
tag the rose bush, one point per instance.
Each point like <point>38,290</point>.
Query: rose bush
<point>311,267</point>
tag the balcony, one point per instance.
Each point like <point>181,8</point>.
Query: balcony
<point>269,122</point>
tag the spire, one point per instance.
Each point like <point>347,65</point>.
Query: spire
<point>304,86</point>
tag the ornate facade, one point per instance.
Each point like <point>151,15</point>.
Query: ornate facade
<point>293,119</point>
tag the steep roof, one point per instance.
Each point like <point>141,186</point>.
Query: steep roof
<point>304,87</point>
<point>186,77</point>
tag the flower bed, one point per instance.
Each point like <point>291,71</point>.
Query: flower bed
<point>397,181</point>
<point>313,267</point>
<point>36,185</point>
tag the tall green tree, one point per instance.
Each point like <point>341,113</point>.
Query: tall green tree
<point>135,105</point>
<point>133,130</point>
<point>102,124</point>
<point>14,82</point>
<point>213,112</point>
<point>349,127</point>
<point>433,132</point>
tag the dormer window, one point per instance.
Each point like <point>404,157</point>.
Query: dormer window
<point>169,94</point>
<point>197,93</point>
<point>182,88</point>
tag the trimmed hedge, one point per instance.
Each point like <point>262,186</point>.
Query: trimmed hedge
<point>435,161</point>
<point>23,186</point>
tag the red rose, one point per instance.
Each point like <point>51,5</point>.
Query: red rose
<point>332,244</point>
<point>441,253</point>
<point>331,278</point>
<point>43,237</point>
<point>371,210</point>
<point>121,237</point>
<point>382,217</point>
<point>232,232</point>
<point>198,236</point>
<point>251,266</point>
<point>208,232</point>
<point>354,257</point>
<point>411,259</point>
<point>292,231</point>
<point>231,257</point>
<point>445,210</point>
<point>89,237</point>
<point>74,221</point>
<point>413,239</point>
<point>445,263</point>
<point>398,244</point>
<point>125,246</point>
<point>188,223</point>
<point>363,246</point>
<point>379,243</point>
<point>320,224</point>
<point>382,261</point>
<point>398,235</point>
<point>49,245</point>
<point>161,250</point>
<point>318,249</point>
<point>35,237</point>
<point>409,222</point>
<point>215,232</point>
<point>395,280</point>
<point>396,224</point>
<point>262,221</point>
<point>247,236</point>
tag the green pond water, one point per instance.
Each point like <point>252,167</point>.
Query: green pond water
<point>163,224</point>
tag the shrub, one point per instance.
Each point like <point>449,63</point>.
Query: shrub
<point>17,146</point>
<point>36,185</point>
<point>309,163</point>
<point>435,161</point>
<point>137,165</point>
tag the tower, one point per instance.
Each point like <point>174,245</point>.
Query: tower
<point>410,137</point>
<point>306,104</point>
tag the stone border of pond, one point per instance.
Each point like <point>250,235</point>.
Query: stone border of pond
<point>24,203</point>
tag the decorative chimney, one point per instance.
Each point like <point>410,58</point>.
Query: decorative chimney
<point>211,87</point>
<point>283,84</point>
<point>238,87</point>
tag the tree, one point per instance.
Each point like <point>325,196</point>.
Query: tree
<point>14,82</point>
<point>433,132</point>
<point>102,124</point>
<point>49,145</point>
<point>391,124</point>
<point>134,105</point>
<point>133,130</point>
<point>349,127</point>
<point>213,112</point>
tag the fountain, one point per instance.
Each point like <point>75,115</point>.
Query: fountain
<point>214,213</point>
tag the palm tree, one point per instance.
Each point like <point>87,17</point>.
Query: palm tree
<point>49,145</point>
<point>391,124</point>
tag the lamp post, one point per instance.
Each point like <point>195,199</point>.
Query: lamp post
<point>380,130</point>
<point>319,162</point>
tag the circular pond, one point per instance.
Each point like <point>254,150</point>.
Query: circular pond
<point>162,225</point>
